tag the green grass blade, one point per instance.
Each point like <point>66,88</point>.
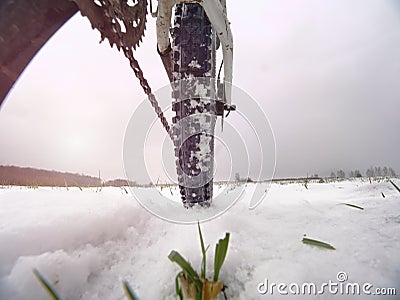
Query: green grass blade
<point>318,243</point>
<point>46,285</point>
<point>395,185</point>
<point>353,205</point>
<point>203,251</point>
<point>178,289</point>
<point>220,253</point>
<point>129,291</point>
<point>174,256</point>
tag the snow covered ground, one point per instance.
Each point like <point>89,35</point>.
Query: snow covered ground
<point>86,242</point>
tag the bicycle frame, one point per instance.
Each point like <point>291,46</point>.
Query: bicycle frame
<point>216,13</point>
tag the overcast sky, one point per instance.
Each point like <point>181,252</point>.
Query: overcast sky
<point>326,74</point>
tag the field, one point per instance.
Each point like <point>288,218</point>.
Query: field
<point>86,242</point>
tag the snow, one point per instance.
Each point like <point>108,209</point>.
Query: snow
<point>201,90</point>
<point>87,242</point>
<point>194,64</point>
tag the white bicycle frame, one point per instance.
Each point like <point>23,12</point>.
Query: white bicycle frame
<point>216,13</point>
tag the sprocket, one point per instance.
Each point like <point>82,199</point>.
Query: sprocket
<point>119,22</point>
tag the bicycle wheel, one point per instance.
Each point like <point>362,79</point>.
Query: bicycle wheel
<point>193,48</point>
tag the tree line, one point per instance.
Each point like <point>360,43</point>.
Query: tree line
<point>12,175</point>
<point>371,172</point>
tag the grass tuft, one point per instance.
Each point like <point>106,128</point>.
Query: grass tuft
<point>353,205</point>
<point>203,252</point>
<point>192,285</point>
<point>220,253</point>
<point>395,185</point>
<point>46,285</point>
<point>188,271</point>
<point>317,243</point>
<point>130,294</point>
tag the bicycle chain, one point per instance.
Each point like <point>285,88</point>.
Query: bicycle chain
<point>147,89</point>
<point>105,19</point>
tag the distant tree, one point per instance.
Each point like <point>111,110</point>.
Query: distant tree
<point>378,171</point>
<point>333,175</point>
<point>237,177</point>
<point>355,174</point>
<point>119,182</point>
<point>370,172</point>
<point>340,174</point>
